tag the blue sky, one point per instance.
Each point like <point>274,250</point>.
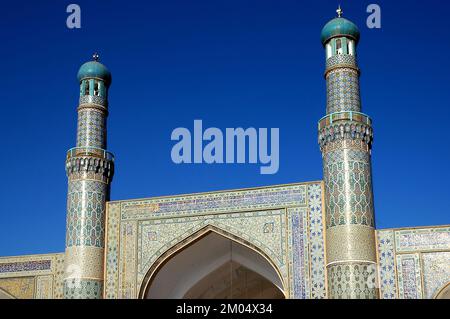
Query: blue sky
<point>233,63</point>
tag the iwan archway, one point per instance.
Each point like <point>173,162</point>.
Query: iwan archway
<point>213,264</point>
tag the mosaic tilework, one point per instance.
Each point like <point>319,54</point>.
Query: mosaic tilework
<point>248,226</point>
<point>90,169</point>
<point>436,272</point>
<point>386,264</point>
<point>32,265</point>
<point>257,216</point>
<point>86,202</point>
<point>345,138</point>
<point>409,240</point>
<point>299,241</point>
<point>414,263</point>
<point>409,276</point>
<point>352,281</point>
<point>92,99</point>
<point>91,128</point>
<point>359,145</point>
<point>83,289</point>
<point>347,177</point>
<point>342,60</point>
<point>316,242</point>
<point>112,250</point>
<point>278,196</point>
<point>343,90</point>
<point>58,275</point>
<point>85,260</point>
<point>21,266</point>
<point>44,271</point>
<point>349,243</point>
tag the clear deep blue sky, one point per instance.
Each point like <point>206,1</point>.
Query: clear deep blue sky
<point>232,63</point>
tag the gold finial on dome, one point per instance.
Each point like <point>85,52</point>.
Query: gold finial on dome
<point>95,56</point>
<point>339,11</point>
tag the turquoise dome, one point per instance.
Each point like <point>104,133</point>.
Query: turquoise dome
<point>337,27</point>
<point>94,69</point>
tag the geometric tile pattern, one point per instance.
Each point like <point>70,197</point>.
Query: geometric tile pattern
<point>33,276</point>
<point>316,242</point>
<point>112,250</point>
<point>413,263</point>
<point>410,240</point>
<point>86,202</point>
<point>247,226</point>
<point>267,218</point>
<point>352,281</point>
<point>83,289</point>
<point>91,128</point>
<point>89,168</point>
<point>216,202</point>
<point>92,99</point>
<point>300,264</point>
<point>386,264</point>
<point>58,276</point>
<point>341,60</point>
<point>347,177</point>
<point>345,137</point>
<point>21,266</point>
<point>343,90</point>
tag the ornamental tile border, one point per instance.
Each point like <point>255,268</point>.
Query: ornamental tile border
<point>32,265</point>
<point>217,202</point>
<point>247,226</point>
<point>409,276</point>
<point>299,259</point>
<point>419,239</point>
<point>386,264</point>
<point>316,240</point>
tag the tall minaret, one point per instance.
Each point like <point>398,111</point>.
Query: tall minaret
<point>90,168</point>
<point>345,138</point>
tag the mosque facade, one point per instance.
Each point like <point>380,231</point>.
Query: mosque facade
<point>311,240</point>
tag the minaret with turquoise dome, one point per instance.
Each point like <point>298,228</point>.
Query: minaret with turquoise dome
<point>345,138</point>
<point>89,167</point>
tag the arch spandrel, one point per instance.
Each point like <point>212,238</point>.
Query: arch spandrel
<point>153,269</point>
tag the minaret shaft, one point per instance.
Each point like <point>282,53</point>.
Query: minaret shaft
<point>345,138</point>
<point>89,168</point>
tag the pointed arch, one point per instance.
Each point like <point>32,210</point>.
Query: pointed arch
<point>189,241</point>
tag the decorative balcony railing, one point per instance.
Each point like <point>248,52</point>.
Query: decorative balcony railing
<point>344,116</point>
<point>90,151</point>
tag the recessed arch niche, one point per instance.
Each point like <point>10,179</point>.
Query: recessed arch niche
<point>213,264</point>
